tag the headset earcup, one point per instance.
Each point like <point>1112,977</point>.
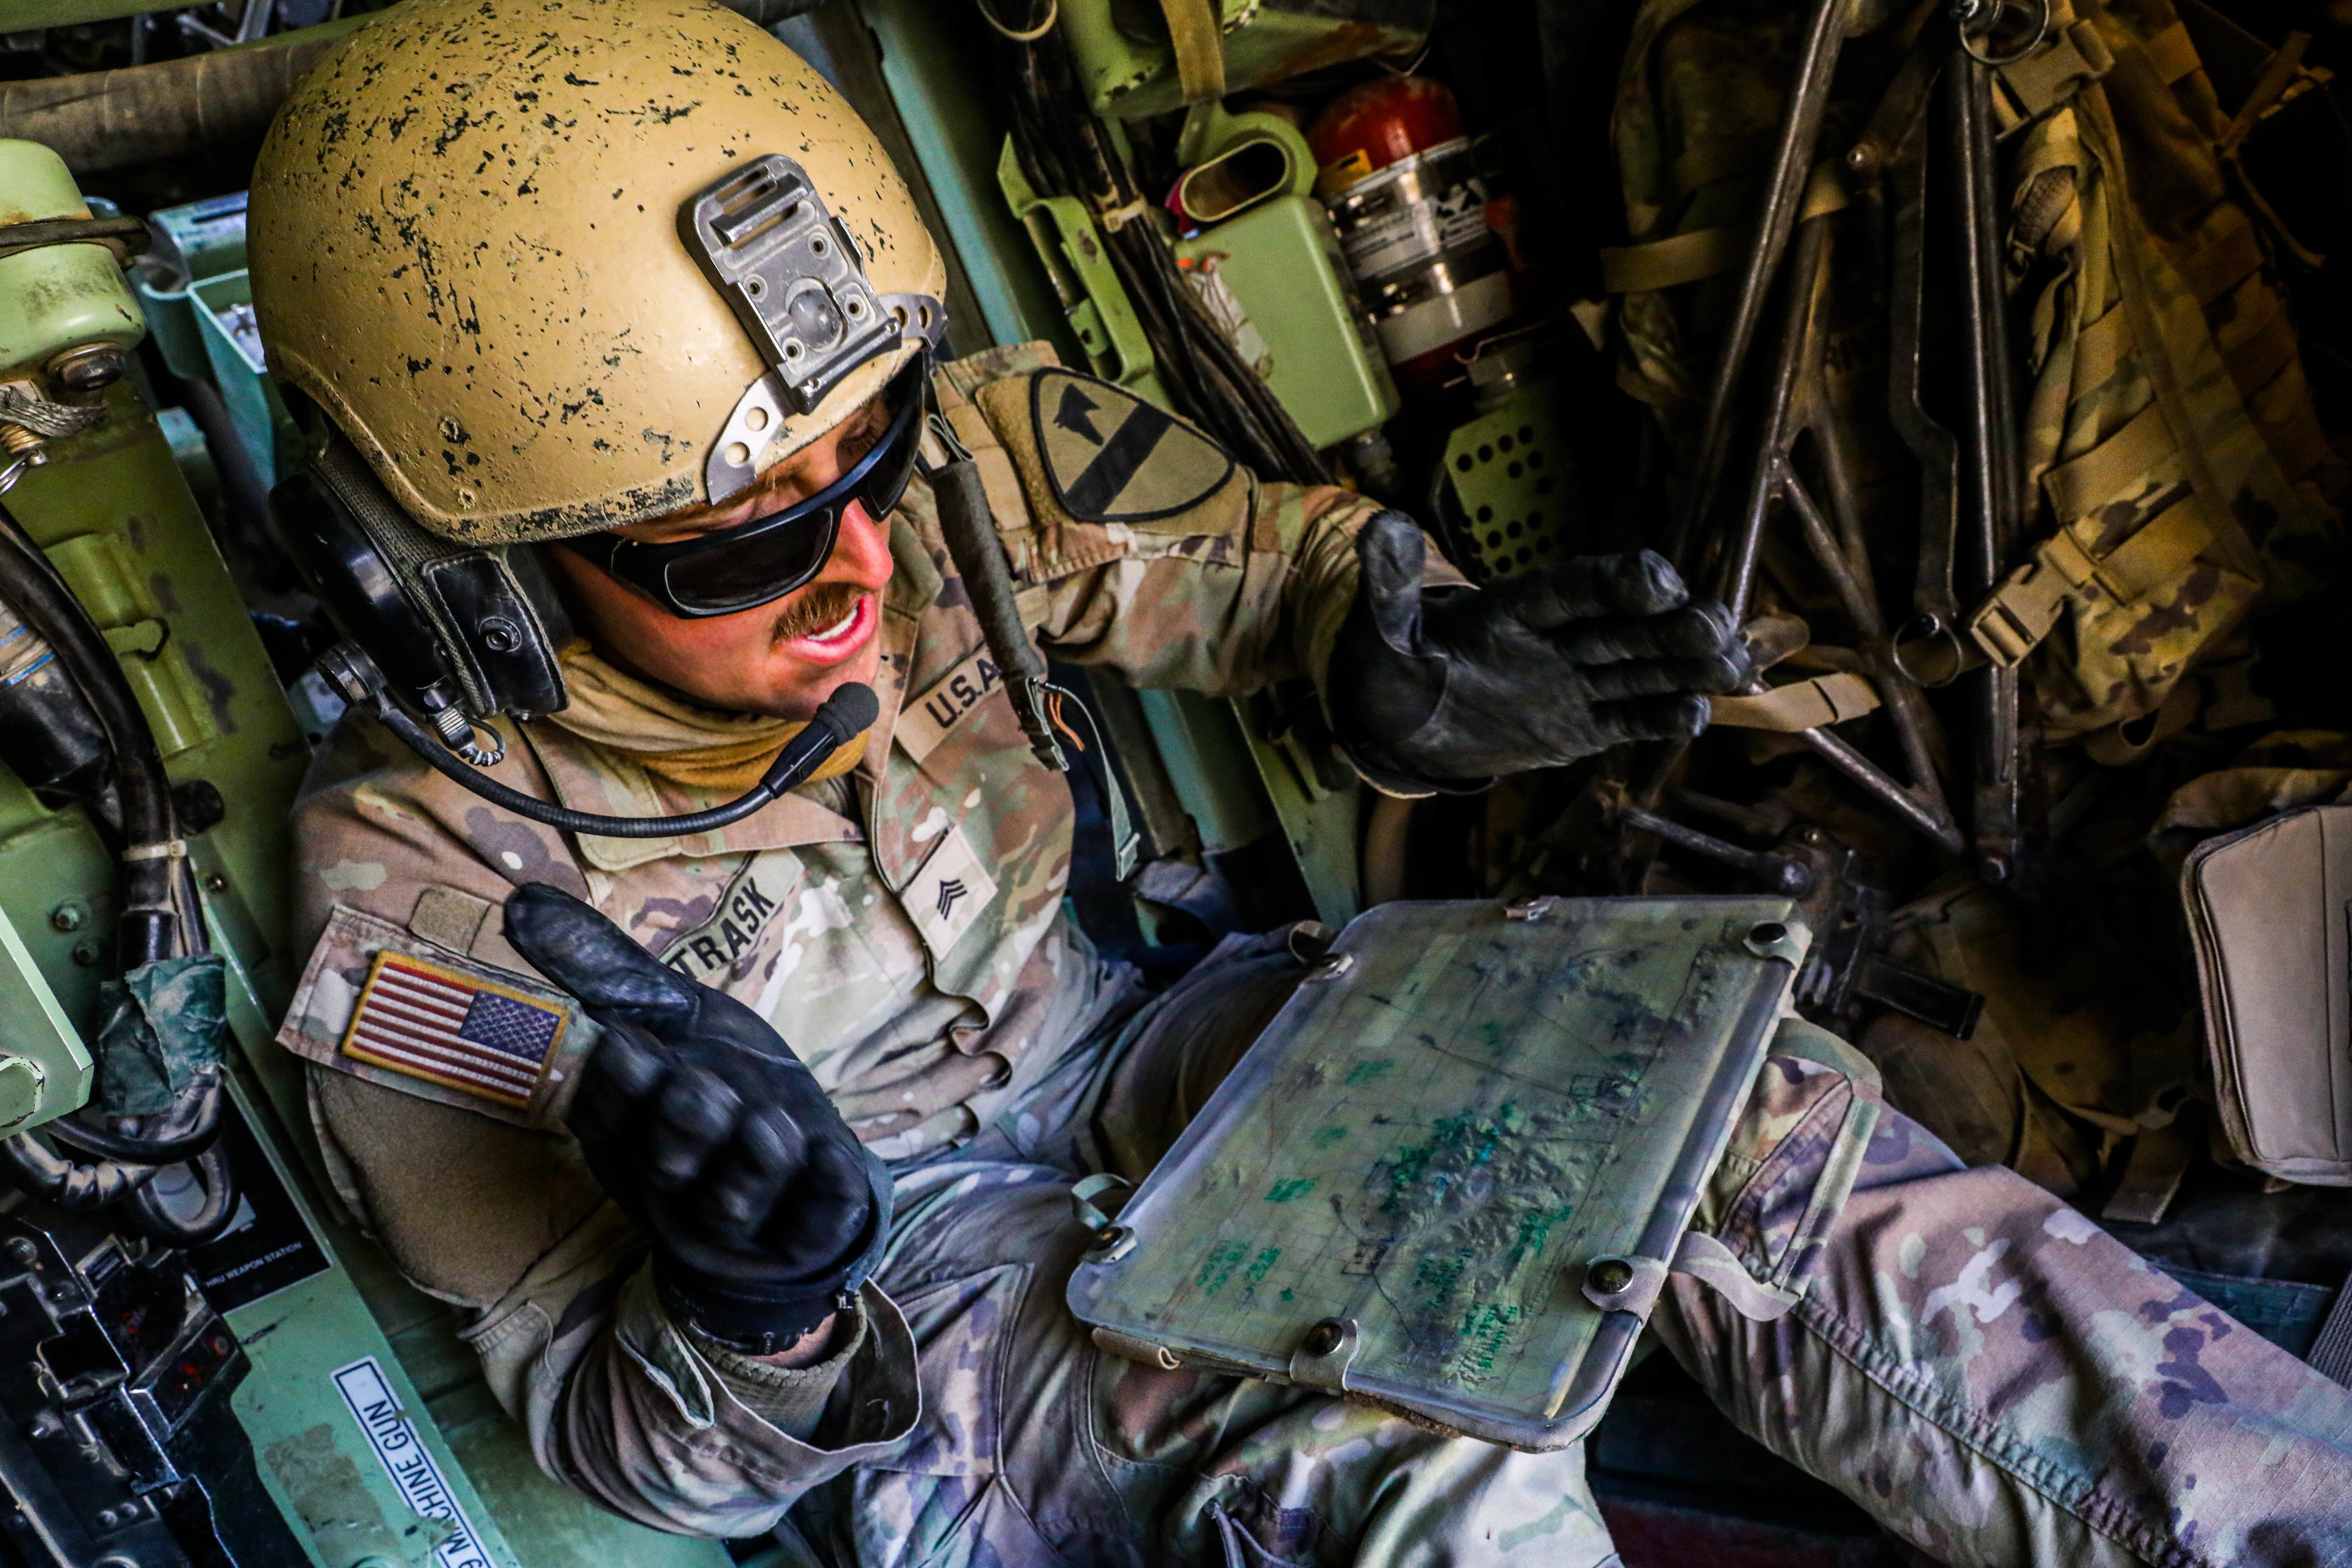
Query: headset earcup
<point>362,593</point>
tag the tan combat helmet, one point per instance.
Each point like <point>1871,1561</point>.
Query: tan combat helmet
<point>476,242</point>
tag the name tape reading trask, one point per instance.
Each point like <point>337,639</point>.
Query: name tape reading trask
<point>408,1463</point>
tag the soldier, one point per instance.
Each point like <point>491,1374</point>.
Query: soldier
<point>726,1292</point>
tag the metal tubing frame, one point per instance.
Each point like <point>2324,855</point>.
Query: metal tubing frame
<point>1796,408</point>
<point>1801,126</point>
<point>1993,506</point>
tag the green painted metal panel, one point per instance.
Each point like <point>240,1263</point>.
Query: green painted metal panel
<point>1199,741</point>
<point>1512,470</point>
<point>1070,248</point>
<point>937,60</point>
<point>1319,822</point>
<point>1281,261</point>
<point>1128,71</point>
<point>39,1032</point>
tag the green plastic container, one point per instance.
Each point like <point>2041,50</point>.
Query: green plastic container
<point>200,240</point>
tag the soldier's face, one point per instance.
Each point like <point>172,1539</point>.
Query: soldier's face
<point>780,659</point>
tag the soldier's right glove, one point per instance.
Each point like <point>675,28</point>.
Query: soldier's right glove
<point>764,1212</point>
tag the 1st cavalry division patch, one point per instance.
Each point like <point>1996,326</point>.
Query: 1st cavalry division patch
<point>450,1028</point>
<point>1113,457</point>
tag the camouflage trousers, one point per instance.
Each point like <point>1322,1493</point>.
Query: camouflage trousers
<point>1986,1372</point>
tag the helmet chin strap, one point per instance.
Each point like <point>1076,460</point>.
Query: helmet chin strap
<point>849,712</point>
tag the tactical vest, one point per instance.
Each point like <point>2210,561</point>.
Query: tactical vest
<point>2168,425</point>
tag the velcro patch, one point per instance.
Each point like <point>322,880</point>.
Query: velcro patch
<point>945,898</point>
<point>447,1027</point>
<point>1112,456</point>
<point>954,696</point>
<point>380,1003</point>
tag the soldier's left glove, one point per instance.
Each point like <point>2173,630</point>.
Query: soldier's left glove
<point>764,1211</point>
<point>1448,688</point>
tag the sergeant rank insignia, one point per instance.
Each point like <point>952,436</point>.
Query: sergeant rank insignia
<point>451,1028</point>
<point>1113,457</point>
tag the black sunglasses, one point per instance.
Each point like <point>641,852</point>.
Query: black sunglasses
<point>759,562</point>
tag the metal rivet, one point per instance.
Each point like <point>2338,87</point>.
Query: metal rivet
<point>87,952</point>
<point>1610,1276</point>
<point>1768,933</point>
<point>500,634</point>
<point>215,883</point>
<point>1332,966</point>
<point>23,1251</point>
<point>1324,1338</point>
<point>71,915</point>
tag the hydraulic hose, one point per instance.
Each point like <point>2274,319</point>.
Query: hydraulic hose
<point>849,712</point>
<point>49,608</point>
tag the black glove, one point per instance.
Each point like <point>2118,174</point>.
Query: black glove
<point>1450,688</point>
<point>764,1211</point>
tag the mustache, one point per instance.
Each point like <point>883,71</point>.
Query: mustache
<point>814,609</point>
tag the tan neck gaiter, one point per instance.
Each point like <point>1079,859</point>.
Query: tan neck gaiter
<point>724,754</point>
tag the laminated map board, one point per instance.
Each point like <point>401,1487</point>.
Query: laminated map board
<point>1399,1191</point>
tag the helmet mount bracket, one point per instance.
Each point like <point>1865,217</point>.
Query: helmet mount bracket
<point>795,277</point>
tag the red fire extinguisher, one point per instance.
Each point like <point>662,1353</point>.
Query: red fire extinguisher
<point>1416,223</point>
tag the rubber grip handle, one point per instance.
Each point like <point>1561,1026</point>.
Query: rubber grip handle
<point>979,557</point>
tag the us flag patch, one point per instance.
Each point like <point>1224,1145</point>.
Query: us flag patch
<point>450,1028</point>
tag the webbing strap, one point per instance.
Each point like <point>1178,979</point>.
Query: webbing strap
<point>999,480</point>
<point>1717,1268</point>
<point>2157,552</point>
<point>1705,253</point>
<point>1669,263</point>
<point>2079,485</point>
<point>2266,351</point>
<point>2018,614</point>
<point>1808,1042</point>
<point>2171,341</point>
<point>1713,159</point>
<point>1805,705</point>
<point>2043,80</point>
<point>2297,443</point>
<point>2223,262</point>
<point>1192,28</point>
<point>2172,53</point>
<point>2160,1156</point>
<point>2099,348</point>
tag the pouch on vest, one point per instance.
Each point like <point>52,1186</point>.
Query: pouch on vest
<point>2167,427</point>
<point>1453,1175</point>
<point>2270,912</point>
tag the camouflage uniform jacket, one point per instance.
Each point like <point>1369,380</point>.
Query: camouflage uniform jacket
<point>902,927</point>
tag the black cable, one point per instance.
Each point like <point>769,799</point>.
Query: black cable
<point>847,714</point>
<point>28,1165</point>
<point>1065,151</point>
<point>46,605</point>
<point>179,1134</point>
